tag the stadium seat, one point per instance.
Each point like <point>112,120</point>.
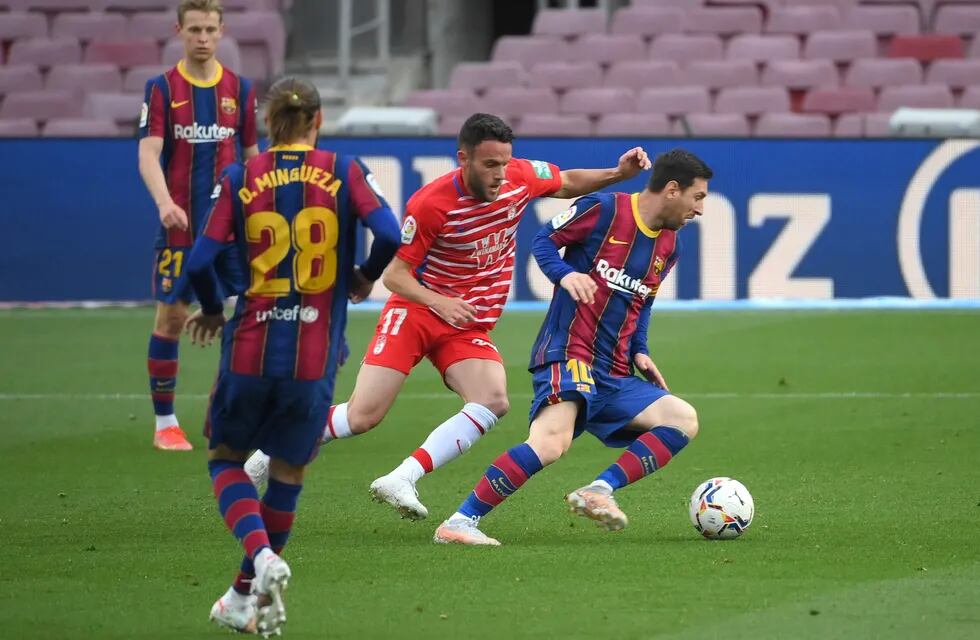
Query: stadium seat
<point>41,105</point>
<point>877,125</point>
<point>53,6</point>
<point>925,47</point>
<point>793,125</point>
<point>528,50</point>
<point>925,96</point>
<point>632,124</point>
<point>959,19</point>
<point>752,100</point>
<point>883,20</point>
<point>594,101</point>
<point>261,37</point>
<point>82,78</point>
<point>159,25</point>
<point>668,3</point>
<point>227,53</point>
<point>685,48</point>
<point>636,74</point>
<point>674,100</point>
<point>455,102</point>
<point>849,125</point>
<point>762,48</point>
<point>830,3</point>
<point>124,53</point>
<point>723,21</point>
<point>450,125</point>
<point>89,26</point>
<point>803,20</point>
<point>800,74</point>
<point>647,21</point>
<point>553,124</point>
<point>134,80</point>
<point>21,24</point>
<point>840,46</point>
<point>480,76</point>
<point>19,77</point>
<point>713,124</point>
<point>138,5</point>
<point>955,73</point>
<point>970,98</point>
<point>45,52</point>
<point>569,23</point>
<point>514,102</point>
<point>565,75</point>
<point>883,72</point>
<point>834,100</point>
<point>717,74</point>
<point>975,47</point>
<point>120,107</point>
<point>18,128</point>
<point>80,128</point>
<point>606,49</point>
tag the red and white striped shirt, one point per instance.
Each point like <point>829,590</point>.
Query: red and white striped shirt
<point>465,249</point>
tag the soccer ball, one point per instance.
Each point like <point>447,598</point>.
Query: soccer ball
<point>721,509</point>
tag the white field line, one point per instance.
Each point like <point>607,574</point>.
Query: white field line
<point>445,395</point>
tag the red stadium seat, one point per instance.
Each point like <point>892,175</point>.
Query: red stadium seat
<point>724,21</point>
<point>962,20</point>
<point>41,105</point>
<point>793,125</point>
<point>514,102</point>
<point>763,48</point>
<point>636,74</point>
<point>457,102</point>
<point>849,125</point>
<point>52,6</point>
<point>83,78</point>
<point>565,75</point>
<point>717,74</point>
<point>134,80</point>
<point>841,4</point>
<point>159,25</point>
<point>528,50</point>
<point>120,107</point>
<point>883,20</point>
<point>800,74</point>
<point>877,125</point>
<point>970,98</point>
<point>752,100</point>
<point>45,52</point>
<point>632,124</point>
<point>606,49</point>
<point>834,100</point>
<point>928,96</point>
<point>803,20</point>
<point>261,37</point>
<point>926,47</point>
<point>124,53</point>
<point>668,3</point>
<point>18,128</point>
<point>19,77</point>
<point>674,100</point>
<point>227,53</point>
<point>89,26</point>
<point>883,72</point>
<point>480,76</point>
<point>975,47</point>
<point>685,48</point>
<point>594,101</point>
<point>569,23</point>
<point>840,46</point>
<point>553,124</point>
<point>646,21</point>
<point>955,73</point>
<point>713,124</point>
<point>450,125</point>
<point>80,128</point>
<point>21,24</point>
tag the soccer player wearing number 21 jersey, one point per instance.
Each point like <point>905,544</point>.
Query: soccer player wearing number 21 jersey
<point>618,249</point>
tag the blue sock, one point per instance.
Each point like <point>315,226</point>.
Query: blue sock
<point>649,452</point>
<point>504,476</point>
<point>278,511</point>
<point>162,365</point>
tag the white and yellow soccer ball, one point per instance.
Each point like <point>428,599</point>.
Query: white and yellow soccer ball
<point>721,509</point>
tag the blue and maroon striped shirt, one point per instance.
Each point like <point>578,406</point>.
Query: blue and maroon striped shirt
<point>604,238</point>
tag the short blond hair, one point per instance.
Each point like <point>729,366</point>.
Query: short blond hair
<point>205,6</point>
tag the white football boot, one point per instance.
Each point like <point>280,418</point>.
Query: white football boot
<point>271,577</point>
<point>462,530</point>
<point>235,611</point>
<point>400,493</point>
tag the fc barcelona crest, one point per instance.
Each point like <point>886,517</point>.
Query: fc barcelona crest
<point>229,105</point>
<point>658,265</point>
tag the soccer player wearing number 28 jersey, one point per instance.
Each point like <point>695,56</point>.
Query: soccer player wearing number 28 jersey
<point>618,249</point>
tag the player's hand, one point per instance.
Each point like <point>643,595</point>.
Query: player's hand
<point>360,287</point>
<point>172,216</point>
<point>632,162</point>
<point>454,311</point>
<point>202,328</point>
<point>580,286</point>
<point>650,370</point>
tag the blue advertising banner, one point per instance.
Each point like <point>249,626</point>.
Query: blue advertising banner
<point>785,219</point>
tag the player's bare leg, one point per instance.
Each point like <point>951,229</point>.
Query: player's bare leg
<point>482,384</point>
<point>162,366</point>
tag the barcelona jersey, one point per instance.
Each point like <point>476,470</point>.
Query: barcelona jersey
<point>204,126</point>
<point>605,238</point>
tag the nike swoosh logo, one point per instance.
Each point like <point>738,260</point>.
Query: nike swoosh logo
<point>613,240</point>
<point>176,105</point>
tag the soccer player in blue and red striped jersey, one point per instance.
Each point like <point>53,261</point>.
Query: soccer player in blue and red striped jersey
<point>197,119</point>
<point>293,211</point>
<point>618,249</point>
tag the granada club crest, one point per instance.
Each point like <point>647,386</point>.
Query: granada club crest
<point>379,344</point>
<point>229,105</point>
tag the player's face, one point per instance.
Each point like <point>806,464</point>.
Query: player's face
<point>484,167</point>
<point>200,34</point>
<point>685,204</point>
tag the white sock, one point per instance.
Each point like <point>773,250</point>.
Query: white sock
<point>448,441</point>
<point>167,421</point>
<point>602,484</point>
<point>234,597</point>
<point>459,516</point>
<point>337,426</point>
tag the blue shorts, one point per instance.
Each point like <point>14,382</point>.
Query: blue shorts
<point>170,282</point>
<point>610,402</point>
<point>284,418</point>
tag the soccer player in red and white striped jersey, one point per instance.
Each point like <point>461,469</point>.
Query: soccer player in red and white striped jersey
<point>449,283</point>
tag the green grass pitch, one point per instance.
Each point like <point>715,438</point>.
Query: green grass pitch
<point>856,432</point>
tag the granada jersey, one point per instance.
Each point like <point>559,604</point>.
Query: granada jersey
<point>464,248</point>
<point>293,211</point>
<point>605,239</point>
<point>204,126</point>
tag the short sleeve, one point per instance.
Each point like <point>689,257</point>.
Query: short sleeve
<point>249,136</point>
<point>365,192</point>
<point>542,178</point>
<point>574,225</point>
<point>153,113</point>
<point>419,228</point>
<point>220,225</point>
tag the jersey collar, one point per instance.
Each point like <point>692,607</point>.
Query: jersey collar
<point>291,147</point>
<point>204,84</point>
<point>644,229</point>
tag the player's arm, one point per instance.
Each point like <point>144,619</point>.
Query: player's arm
<point>639,351</point>
<point>578,182</point>
<point>399,277</point>
<point>569,227</point>
<point>249,135</point>
<point>375,214</point>
<point>152,129</point>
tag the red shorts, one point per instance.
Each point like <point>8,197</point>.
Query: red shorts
<point>407,331</point>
